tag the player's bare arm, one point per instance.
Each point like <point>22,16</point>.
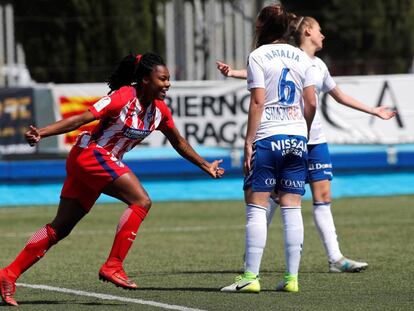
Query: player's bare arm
<point>227,71</point>
<point>383,112</point>
<point>34,135</point>
<point>181,145</point>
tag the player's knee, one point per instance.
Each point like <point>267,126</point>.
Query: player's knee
<point>145,202</point>
<point>52,234</point>
<point>61,231</point>
<point>322,195</point>
<point>326,196</point>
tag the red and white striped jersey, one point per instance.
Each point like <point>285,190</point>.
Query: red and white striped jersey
<point>124,122</point>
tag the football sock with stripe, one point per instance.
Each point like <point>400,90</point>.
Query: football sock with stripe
<point>126,232</point>
<point>36,247</point>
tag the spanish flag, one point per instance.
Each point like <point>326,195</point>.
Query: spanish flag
<point>70,106</point>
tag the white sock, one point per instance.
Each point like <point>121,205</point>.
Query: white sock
<point>324,222</point>
<point>293,236</point>
<point>256,234</point>
<point>271,211</point>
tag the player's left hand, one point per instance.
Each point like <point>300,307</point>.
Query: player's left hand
<point>215,170</point>
<point>384,112</point>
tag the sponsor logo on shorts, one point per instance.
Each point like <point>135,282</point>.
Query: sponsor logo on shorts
<point>290,146</point>
<point>289,183</point>
<point>319,166</point>
<point>135,133</point>
<point>270,182</point>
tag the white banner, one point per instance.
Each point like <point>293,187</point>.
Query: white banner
<point>343,125</point>
<point>214,113</point>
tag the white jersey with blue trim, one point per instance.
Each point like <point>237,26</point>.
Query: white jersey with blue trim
<point>324,84</point>
<point>283,71</point>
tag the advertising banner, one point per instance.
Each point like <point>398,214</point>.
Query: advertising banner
<point>343,125</point>
<point>214,113</point>
<point>72,99</point>
<point>16,114</point>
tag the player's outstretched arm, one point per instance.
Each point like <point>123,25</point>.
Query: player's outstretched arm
<point>34,135</point>
<point>227,71</point>
<point>382,112</point>
<point>181,145</point>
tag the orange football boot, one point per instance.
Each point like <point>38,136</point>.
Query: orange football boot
<point>117,276</point>
<point>7,288</point>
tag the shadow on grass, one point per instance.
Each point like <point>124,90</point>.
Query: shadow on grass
<point>196,289</point>
<point>67,302</point>
<point>264,271</point>
<point>181,289</point>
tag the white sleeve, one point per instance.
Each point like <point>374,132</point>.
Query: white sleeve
<point>255,73</point>
<point>311,76</point>
<point>328,82</point>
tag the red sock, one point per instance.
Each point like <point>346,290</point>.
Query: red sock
<point>35,248</point>
<point>125,234</point>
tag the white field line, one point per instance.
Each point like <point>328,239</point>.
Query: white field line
<point>112,231</point>
<point>107,297</point>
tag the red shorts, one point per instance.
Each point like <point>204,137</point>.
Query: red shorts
<point>88,171</point>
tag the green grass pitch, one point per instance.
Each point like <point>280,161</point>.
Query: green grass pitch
<point>186,251</point>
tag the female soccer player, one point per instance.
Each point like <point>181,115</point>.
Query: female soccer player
<point>279,77</point>
<point>133,109</point>
<point>306,33</point>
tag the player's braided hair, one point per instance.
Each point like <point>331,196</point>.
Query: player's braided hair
<point>132,69</point>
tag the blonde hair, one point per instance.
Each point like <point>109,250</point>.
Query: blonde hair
<point>297,26</point>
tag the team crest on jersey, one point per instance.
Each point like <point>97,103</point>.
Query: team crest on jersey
<point>102,103</point>
<point>135,133</point>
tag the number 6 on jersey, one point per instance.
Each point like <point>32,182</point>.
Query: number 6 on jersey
<point>286,89</point>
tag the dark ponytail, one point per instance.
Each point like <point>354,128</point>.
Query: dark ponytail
<point>132,69</point>
<point>271,24</point>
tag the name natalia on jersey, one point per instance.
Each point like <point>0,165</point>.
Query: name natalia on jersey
<point>124,122</point>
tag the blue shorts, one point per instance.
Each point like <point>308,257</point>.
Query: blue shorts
<point>279,162</point>
<point>319,163</point>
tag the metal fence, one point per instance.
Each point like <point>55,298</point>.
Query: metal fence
<point>198,33</point>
